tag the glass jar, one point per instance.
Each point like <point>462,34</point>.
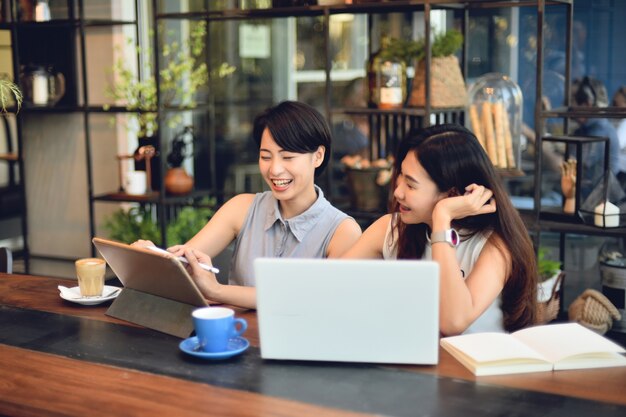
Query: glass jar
<point>42,86</point>
<point>386,81</point>
<point>495,117</point>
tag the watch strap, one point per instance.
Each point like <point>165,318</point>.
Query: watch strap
<point>449,236</point>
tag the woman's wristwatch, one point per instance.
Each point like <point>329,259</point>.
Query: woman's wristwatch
<point>450,236</point>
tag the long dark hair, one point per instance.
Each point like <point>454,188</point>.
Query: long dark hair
<point>454,159</point>
<point>295,127</point>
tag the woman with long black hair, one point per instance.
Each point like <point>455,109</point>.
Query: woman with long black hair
<point>449,206</point>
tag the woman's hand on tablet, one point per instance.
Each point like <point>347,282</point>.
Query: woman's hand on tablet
<point>210,287</point>
<point>206,281</point>
<point>179,250</point>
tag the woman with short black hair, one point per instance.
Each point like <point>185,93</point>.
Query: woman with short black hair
<point>293,219</point>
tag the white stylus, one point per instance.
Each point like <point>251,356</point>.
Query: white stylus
<point>183,259</point>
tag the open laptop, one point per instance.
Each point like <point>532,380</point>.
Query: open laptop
<point>348,310</point>
<point>158,292</point>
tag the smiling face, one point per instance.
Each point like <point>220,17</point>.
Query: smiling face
<point>290,175</point>
<point>416,192</point>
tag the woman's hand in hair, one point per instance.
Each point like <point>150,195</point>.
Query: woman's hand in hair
<point>476,200</point>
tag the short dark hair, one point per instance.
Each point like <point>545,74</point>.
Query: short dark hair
<point>296,127</point>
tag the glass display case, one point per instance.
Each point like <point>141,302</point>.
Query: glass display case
<point>495,117</point>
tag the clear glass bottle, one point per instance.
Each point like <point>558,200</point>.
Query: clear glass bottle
<point>386,79</point>
<point>495,117</point>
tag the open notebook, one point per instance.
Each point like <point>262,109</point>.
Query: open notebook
<point>535,349</point>
<point>348,310</point>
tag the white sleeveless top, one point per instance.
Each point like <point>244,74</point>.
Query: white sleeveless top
<point>466,254</point>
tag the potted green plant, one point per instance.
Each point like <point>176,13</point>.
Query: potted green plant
<point>180,79</point>
<point>549,271</point>
<point>9,93</point>
<point>183,61</point>
<point>548,284</point>
<point>189,221</point>
<point>130,225</point>
<point>183,74</point>
<point>447,86</point>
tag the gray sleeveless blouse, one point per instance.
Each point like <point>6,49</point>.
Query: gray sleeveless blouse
<point>266,234</point>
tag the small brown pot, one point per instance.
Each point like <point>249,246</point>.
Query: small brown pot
<point>177,181</point>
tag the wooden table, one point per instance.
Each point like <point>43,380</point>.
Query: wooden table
<point>60,358</point>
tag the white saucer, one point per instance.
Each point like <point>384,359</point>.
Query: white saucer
<point>75,296</point>
<point>236,345</point>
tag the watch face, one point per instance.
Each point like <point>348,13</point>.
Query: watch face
<point>454,237</point>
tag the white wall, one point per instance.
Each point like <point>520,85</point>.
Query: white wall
<point>56,161</point>
<point>56,190</point>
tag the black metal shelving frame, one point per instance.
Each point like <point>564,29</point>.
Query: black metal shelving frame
<point>385,123</point>
<point>382,119</point>
<point>78,24</point>
<point>535,222</point>
<point>12,27</point>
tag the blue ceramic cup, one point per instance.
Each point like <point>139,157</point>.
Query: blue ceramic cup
<point>215,326</point>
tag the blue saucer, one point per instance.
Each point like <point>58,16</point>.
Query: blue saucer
<point>236,345</point>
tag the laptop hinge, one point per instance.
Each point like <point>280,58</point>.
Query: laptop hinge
<point>154,312</point>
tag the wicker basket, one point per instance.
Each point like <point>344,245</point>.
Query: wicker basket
<point>594,311</point>
<point>447,87</point>
<point>365,193</point>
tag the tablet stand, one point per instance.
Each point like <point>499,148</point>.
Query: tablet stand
<point>154,312</point>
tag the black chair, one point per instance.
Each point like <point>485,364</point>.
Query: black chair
<point>6,260</point>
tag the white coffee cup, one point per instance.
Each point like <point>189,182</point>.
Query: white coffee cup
<point>135,182</point>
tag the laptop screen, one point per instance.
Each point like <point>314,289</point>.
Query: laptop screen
<point>348,310</point>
